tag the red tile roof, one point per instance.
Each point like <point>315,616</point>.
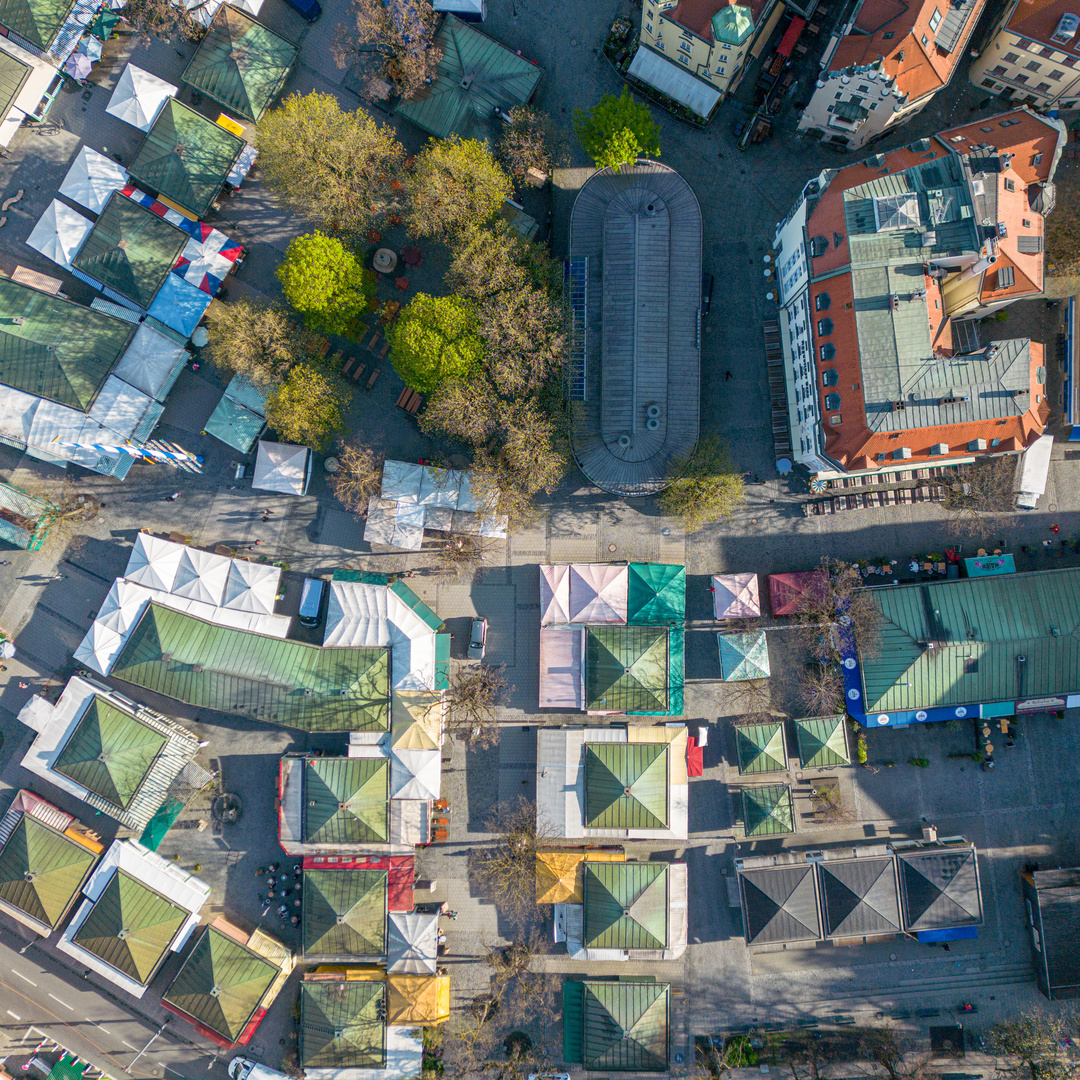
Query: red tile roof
<point>1038,19</point>
<point>1030,136</point>
<point>696,15</point>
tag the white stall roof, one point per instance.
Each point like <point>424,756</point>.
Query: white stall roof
<point>154,562</point>
<point>401,479</point>
<point>202,576</point>
<point>120,407</point>
<point>60,233</point>
<point>735,596</point>
<point>598,593</point>
<point>54,424</point>
<point>138,97</point>
<point>670,79</point>
<point>554,595</point>
<point>562,670</point>
<point>413,943</point>
<point>415,774</point>
<point>281,467</point>
<point>92,178</point>
<point>1034,471</point>
<point>150,360</point>
<point>252,587</point>
<point>17,413</point>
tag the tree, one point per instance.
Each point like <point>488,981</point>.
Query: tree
<point>359,476</point>
<point>986,486</point>
<point>162,19</point>
<point>456,183</point>
<point>472,703</point>
<point>617,131</point>
<point>306,408</point>
<point>435,341</point>
<point>325,282</point>
<point>461,553</point>
<point>829,805</point>
<point>840,607</point>
<point>530,141</point>
<point>821,689</point>
<point>463,408</point>
<point>258,341</point>
<point>1032,1045</point>
<point>337,169</point>
<point>894,1054</point>
<point>400,34</point>
<point>706,486</point>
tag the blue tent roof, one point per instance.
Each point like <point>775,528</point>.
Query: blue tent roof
<point>180,305</point>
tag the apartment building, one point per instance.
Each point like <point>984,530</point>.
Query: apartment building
<point>885,66</point>
<point>1034,55</point>
<point>883,268</point>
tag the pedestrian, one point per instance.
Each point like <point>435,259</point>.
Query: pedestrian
<point>260,871</point>
<point>258,542</point>
<point>24,685</point>
<point>173,497</point>
<point>1055,528</point>
<point>272,868</point>
<point>451,915</point>
<point>295,920</point>
<point>265,518</point>
<point>728,375</point>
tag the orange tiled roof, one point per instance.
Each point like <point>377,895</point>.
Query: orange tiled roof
<point>1038,19</point>
<point>1029,137</point>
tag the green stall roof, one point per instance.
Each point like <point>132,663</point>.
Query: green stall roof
<point>273,679</point>
<point>744,657</point>
<point>235,425</point>
<point>35,20</point>
<point>344,912</point>
<point>346,800</point>
<point>343,1025</point>
<point>60,350</point>
<point>240,63</point>
<point>761,748</point>
<point>656,594</point>
<point>626,905</point>
<point>221,983</point>
<point>13,76</point>
<point>626,785</point>
<point>186,157</point>
<point>42,870</point>
<point>626,669</point>
<point>822,742</point>
<point>767,811</point>
<point>617,1025</point>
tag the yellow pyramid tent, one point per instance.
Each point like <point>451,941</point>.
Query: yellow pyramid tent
<point>417,999</point>
<point>557,877</point>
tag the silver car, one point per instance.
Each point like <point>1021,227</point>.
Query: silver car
<point>478,641</point>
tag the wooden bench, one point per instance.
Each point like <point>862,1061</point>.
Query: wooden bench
<point>370,346</point>
<point>361,368</point>
<point>414,406</point>
<point>404,398</point>
<point>374,375</point>
<point>384,350</point>
<point>348,365</point>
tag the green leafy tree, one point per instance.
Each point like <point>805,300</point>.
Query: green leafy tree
<point>435,341</point>
<point>306,408</point>
<point>337,169</point>
<point>259,341</point>
<point>456,183</point>
<point>617,131</point>
<point>706,487</point>
<point>325,282</point>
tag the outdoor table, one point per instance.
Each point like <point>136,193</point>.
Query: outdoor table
<point>385,260</point>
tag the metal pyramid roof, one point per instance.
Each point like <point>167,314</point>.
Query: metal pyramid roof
<point>626,669</point>
<point>240,63</point>
<point>780,903</point>
<point>767,811</point>
<point>626,1026</point>
<point>345,800</point>
<point>221,983</point>
<point>626,905</point>
<point>744,656</point>
<point>412,942</point>
<point>761,747</point>
<point>110,752</point>
<point>822,742</point>
<point>656,593</point>
<point>35,20</point>
<point>417,999</point>
<point>860,897</point>
<point>626,785</point>
<point>343,1024</point>
<point>940,888</point>
<point>41,870</point>
<point>344,912</point>
<point>130,927</point>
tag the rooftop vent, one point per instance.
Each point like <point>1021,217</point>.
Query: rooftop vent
<point>875,161</point>
<point>1066,29</point>
<point>650,210</point>
<point>954,399</point>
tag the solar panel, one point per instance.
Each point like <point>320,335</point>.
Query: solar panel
<point>577,286</point>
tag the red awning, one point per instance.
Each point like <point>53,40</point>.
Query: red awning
<point>694,764</point>
<point>791,35</point>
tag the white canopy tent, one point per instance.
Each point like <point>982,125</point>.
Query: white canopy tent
<point>202,575</point>
<point>282,467</point>
<point>92,178</point>
<point>154,562</point>
<point>99,648</point>
<point>412,943</point>
<point>735,596</point>
<point>139,97</point>
<point>60,233</point>
<point>150,361</point>
<point>415,774</point>
<point>1034,471</point>
<point>121,408</point>
<point>562,668</point>
<point>554,595</point>
<point>202,11</point>
<point>252,587</point>
<point>17,414</point>
<point>598,593</point>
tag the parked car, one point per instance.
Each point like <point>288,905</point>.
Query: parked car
<point>311,601</point>
<point>307,9</point>
<point>478,641</point>
<point>706,294</point>
<point>242,1068</point>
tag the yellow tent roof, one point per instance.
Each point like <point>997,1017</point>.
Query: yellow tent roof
<point>417,999</point>
<point>416,720</point>
<point>557,877</point>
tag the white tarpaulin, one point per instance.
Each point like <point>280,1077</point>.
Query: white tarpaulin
<point>1034,471</point>
<point>401,479</point>
<point>282,467</point>
<point>735,596</point>
<point>670,79</point>
<point>154,562</point>
<point>60,233</point>
<point>92,178</point>
<point>120,408</point>
<point>415,774</point>
<point>562,673</point>
<point>99,648</point>
<point>16,414</point>
<point>598,593</point>
<point>412,943</point>
<point>52,425</point>
<point>554,595</point>
<point>138,97</point>
<point>202,576</point>
<point>150,361</point>
<point>252,587</point>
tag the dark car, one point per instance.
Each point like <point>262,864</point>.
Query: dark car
<point>706,294</point>
<point>738,127</point>
<point>307,9</point>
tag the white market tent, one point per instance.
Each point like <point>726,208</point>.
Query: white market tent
<point>60,233</point>
<point>139,97</point>
<point>252,587</point>
<point>151,361</point>
<point>598,592</point>
<point>99,648</point>
<point>735,596</point>
<point>412,943</point>
<point>562,668</point>
<point>17,414</point>
<point>202,576</point>
<point>415,774</point>
<point>121,408</point>
<point>1034,471</point>
<point>92,178</point>
<point>154,562</point>
<point>554,594</point>
<point>282,467</point>
<point>661,74</point>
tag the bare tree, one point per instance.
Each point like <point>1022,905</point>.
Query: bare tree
<point>162,19</point>
<point>749,699</point>
<point>821,689</point>
<point>472,703</point>
<point>1031,1045</point>
<point>981,489</point>
<point>359,475</point>
<point>840,605</point>
<point>531,141</point>
<point>896,1055</point>
<point>461,554</point>
<point>829,805</point>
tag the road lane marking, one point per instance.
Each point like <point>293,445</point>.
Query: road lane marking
<point>127,1044</point>
<point>10,1013</point>
<point>23,977</point>
<point>64,1003</point>
<point>162,1065</point>
<point>106,1030</point>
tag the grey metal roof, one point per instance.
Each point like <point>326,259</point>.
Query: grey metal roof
<point>860,897</point>
<point>940,888</point>
<point>640,230</point>
<point>780,904</point>
<point>957,17</point>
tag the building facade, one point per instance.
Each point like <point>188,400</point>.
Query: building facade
<point>1033,56</point>
<point>885,67</point>
<point>883,268</point>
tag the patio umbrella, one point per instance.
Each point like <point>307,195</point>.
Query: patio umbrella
<point>138,97</point>
<point>104,25</point>
<point>90,47</point>
<point>79,66</point>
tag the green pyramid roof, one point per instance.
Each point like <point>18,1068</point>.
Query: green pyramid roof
<point>744,656</point>
<point>656,593</point>
<point>625,1026</point>
<point>346,800</point>
<point>344,912</point>
<point>822,742</point>
<point>626,905</point>
<point>35,20</point>
<point>130,927</point>
<point>42,870</point>
<point>767,811</point>
<point>221,983</point>
<point>626,785</point>
<point>626,669</point>
<point>109,752</point>
<point>732,25</point>
<point>761,747</point>
<point>342,1025</point>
